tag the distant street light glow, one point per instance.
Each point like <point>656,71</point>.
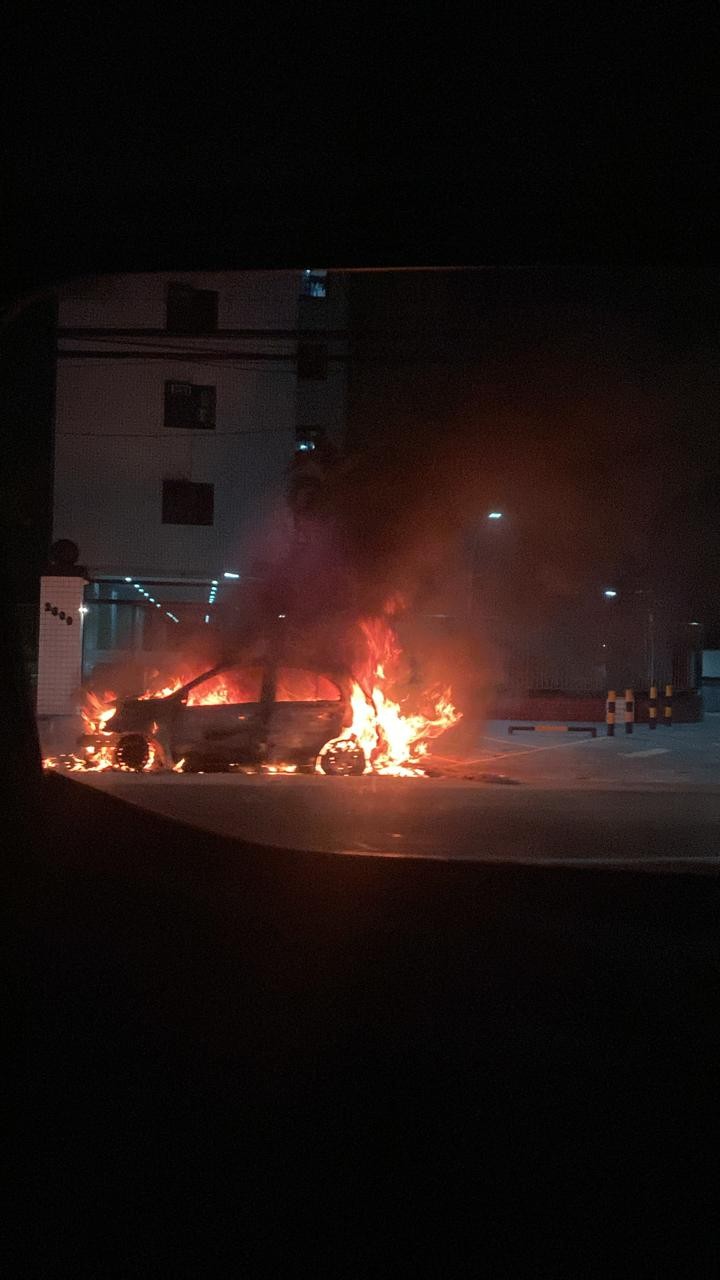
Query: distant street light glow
<point>231,575</point>
<point>609,593</point>
<point>494,515</point>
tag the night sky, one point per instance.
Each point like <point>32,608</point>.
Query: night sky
<point>582,398</point>
<point>581,401</point>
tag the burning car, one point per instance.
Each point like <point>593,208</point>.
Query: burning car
<point>278,709</point>
<point>266,714</point>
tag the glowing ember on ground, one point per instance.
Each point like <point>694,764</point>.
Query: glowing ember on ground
<point>96,762</point>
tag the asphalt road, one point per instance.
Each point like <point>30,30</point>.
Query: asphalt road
<point>647,798</point>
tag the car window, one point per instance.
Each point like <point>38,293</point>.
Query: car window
<point>297,685</point>
<point>236,685</point>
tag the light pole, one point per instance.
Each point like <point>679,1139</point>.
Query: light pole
<point>491,515</point>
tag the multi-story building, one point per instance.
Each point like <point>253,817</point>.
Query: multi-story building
<point>180,401</point>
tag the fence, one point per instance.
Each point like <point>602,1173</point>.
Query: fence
<point>551,669</point>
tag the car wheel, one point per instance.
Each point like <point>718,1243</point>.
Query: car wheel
<point>133,751</point>
<point>342,758</point>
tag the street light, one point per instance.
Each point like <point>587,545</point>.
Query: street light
<point>495,515</point>
<point>609,593</point>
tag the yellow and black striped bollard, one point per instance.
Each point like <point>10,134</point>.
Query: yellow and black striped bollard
<point>653,706</point>
<point>629,710</point>
<point>667,714</point>
<point>610,713</point>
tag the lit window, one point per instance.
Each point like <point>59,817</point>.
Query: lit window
<point>314,283</point>
<point>307,439</point>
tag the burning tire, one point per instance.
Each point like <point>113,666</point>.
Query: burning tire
<point>342,758</point>
<point>133,751</point>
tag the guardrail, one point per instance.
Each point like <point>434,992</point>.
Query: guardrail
<point>553,728</point>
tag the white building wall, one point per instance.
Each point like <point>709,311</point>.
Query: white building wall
<point>113,451</point>
<point>246,299</point>
<point>60,645</point>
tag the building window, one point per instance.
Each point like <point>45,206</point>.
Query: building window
<point>314,283</point>
<point>312,360</point>
<point>187,405</point>
<point>184,502</point>
<point>191,310</point>
<point>307,439</point>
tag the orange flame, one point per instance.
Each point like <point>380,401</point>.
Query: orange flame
<point>392,742</point>
<point>221,689</point>
<point>98,710</point>
<point>164,692</point>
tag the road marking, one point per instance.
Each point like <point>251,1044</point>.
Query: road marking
<point>555,746</point>
<point>654,751</point>
<point>460,762</point>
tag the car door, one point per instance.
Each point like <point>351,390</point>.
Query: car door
<point>308,708</point>
<point>222,718</point>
